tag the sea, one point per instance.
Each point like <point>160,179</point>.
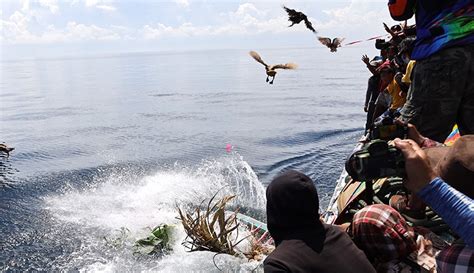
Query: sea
<point>107,147</point>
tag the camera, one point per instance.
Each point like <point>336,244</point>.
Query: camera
<point>387,129</point>
<point>376,159</point>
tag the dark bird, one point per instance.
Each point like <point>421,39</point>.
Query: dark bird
<point>271,69</point>
<point>5,149</point>
<point>295,17</point>
<point>336,42</point>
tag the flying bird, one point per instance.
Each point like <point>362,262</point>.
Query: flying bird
<point>295,17</point>
<point>336,42</point>
<point>271,69</point>
<point>5,149</point>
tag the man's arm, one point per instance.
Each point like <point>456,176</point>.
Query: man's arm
<point>365,59</point>
<point>403,86</point>
<point>387,29</point>
<point>456,209</point>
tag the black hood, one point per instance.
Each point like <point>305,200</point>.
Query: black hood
<point>292,207</point>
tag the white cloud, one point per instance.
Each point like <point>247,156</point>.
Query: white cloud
<point>182,3</point>
<point>247,19</point>
<point>360,17</point>
<point>105,5</point>
<point>15,28</point>
<point>52,5</point>
<point>78,32</point>
<point>15,31</point>
<point>25,5</point>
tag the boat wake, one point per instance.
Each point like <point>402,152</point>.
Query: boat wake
<point>122,209</point>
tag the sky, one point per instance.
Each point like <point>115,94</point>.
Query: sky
<point>59,28</point>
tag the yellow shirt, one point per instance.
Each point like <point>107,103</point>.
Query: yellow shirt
<point>394,90</point>
<point>407,77</point>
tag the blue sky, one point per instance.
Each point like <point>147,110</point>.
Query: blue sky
<point>54,28</point>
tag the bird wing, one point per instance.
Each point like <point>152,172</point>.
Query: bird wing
<point>257,58</point>
<point>291,12</point>
<point>285,66</point>
<point>309,25</point>
<point>325,41</point>
<point>295,16</point>
<point>337,42</point>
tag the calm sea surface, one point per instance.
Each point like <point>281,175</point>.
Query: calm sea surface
<point>115,142</point>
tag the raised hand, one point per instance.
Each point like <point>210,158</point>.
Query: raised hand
<point>387,28</point>
<point>365,59</point>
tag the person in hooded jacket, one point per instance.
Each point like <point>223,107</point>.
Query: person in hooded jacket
<point>303,242</point>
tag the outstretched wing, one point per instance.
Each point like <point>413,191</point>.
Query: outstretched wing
<point>257,58</point>
<point>295,17</point>
<point>285,66</point>
<point>309,25</point>
<point>325,41</point>
<point>337,42</point>
<point>292,13</point>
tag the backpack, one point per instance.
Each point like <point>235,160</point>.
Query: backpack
<point>401,10</point>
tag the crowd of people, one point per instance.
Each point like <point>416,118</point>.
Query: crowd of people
<point>423,79</point>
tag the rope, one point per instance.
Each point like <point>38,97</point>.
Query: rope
<point>369,39</point>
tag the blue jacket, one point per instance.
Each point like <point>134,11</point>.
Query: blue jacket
<point>440,24</point>
<point>456,209</point>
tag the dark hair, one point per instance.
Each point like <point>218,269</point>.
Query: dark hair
<point>381,44</point>
<point>396,28</point>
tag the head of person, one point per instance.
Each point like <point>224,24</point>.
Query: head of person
<point>386,73</point>
<point>382,45</point>
<point>292,207</point>
<point>455,164</point>
<point>392,51</point>
<point>382,233</point>
<point>384,54</point>
<point>405,48</point>
<point>396,28</point>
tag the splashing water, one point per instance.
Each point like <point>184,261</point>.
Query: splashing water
<point>141,203</point>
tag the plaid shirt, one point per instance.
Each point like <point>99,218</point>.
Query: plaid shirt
<point>383,233</point>
<point>457,258</point>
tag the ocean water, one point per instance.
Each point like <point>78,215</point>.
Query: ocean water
<point>111,142</point>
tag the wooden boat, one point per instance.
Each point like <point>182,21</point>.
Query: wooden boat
<point>350,195</point>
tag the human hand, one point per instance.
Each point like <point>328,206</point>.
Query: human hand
<point>412,133</point>
<point>365,59</point>
<point>344,226</point>
<point>417,166</point>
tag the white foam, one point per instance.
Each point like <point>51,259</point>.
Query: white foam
<point>138,203</point>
